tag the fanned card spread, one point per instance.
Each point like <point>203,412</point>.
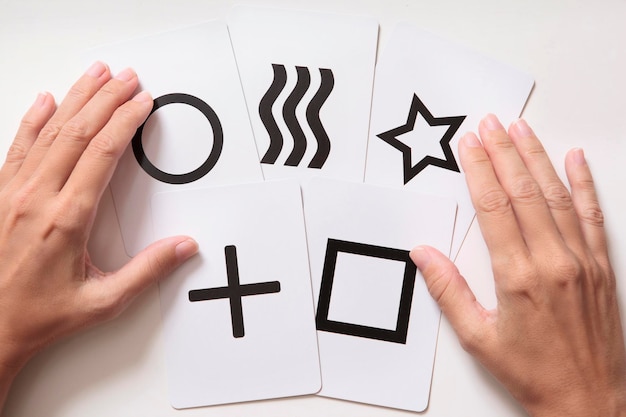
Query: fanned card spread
<point>307,171</point>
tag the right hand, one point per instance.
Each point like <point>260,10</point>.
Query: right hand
<point>555,339</point>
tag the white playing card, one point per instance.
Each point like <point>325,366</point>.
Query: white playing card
<point>261,342</point>
<point>428,92</point>
<point>377,324</point>
<point>307,78</point>
<point>199,134</point>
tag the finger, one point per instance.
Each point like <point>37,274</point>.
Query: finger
<point>531,210</point>
<point>586,203</point>
<point>451,292</point>
<point>554,191</point>
<point>80,93</point>
<point>32,123</point>
<point>78,132</point>
<point>498,223</point>
<point>110,295</point>
<point>96,165</point>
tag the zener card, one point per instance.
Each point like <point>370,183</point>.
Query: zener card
<point>429,92</point>
<point>198,133</point>
<point>307,78</point>
<point>238,318</point>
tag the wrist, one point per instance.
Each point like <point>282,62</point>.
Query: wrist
<point>12,360</point>
<point>600,403</point>
<point>13,355</point>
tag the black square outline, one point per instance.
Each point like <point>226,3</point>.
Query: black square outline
<point>322,322</point>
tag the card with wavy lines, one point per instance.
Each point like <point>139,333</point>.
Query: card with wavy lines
<point>307,78</point>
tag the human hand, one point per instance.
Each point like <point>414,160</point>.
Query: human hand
<point>50,185</point>
<point>555,339</point>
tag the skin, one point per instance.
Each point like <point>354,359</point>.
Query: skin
<point>555,339</point>
<point>50,185</point>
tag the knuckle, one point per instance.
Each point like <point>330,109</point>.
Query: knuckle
<point>126,113</point>
<point>29,123</point>
<point>566,270</point>
<point>21,203</point>
<point>17,152</point>
<point>557,197</point>
<point>440,285</point>
<point>49,132</point>
<point>610,282</point>
<point>494,201</point>
<point>66,218</point>
<point>104,306</point>
<point>76,128</point>
<point>79,93</point>
<point>592,214</point>
<point>104,146</point>
<point>525,190</point>
<point>501,142</point>
<point>535,151</point>
<point>518,275</point>
<point>157,267</point>
<point>110,90</point>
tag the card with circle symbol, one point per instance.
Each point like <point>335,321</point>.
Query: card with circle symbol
<point>307,78</point>
<point>198,133</point>
<point>238,319</point>
<point>377,324</point>
<point>428,92</point>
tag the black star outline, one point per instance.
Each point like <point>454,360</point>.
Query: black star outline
<point>410,170</point>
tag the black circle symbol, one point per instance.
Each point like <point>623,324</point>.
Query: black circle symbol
<point>202,170</point>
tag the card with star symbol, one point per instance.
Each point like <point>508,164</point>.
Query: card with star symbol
<point>427,93</point>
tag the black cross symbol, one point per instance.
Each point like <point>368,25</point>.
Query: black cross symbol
<point>234,291</point>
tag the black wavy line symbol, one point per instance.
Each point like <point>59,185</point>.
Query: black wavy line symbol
<point>313,109</point>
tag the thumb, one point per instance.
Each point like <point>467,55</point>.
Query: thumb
<point>450,290</point>
<point>148,267</point>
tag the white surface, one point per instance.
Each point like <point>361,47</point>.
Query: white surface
<point>356,368</point>
<point>277,355</point>
<point>573,48</point>
<point>451,81</point>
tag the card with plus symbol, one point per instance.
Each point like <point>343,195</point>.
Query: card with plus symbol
<point>238,318</point>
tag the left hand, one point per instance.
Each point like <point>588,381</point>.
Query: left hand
<point>59,165</point>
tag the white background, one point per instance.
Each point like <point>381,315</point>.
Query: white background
<point>575,49</point>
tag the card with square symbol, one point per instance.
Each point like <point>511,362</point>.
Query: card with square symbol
<point>198,133</point>
<point>238,319</point>
<point>307,78</point>
<point>428,92</point>
<point>377,324</point>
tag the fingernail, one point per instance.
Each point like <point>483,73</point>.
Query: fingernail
<point>523,128</point>
<point>126,75</point>
<point>96,69</point>
<point>41,99</point>
<point>186,249</point>
<point>420,257</point>
<point>143,97</point>
<point>491,122</point>
<point>579,156</point>
<point>470,140</point>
